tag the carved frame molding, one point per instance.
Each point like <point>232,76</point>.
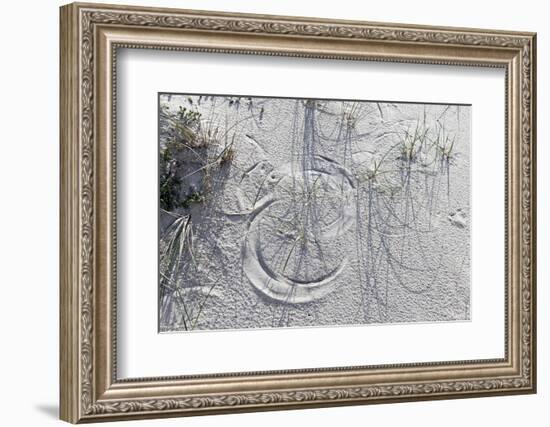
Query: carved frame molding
<point>90,35</point>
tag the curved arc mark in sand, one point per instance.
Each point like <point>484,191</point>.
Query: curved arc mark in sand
<point>274,284</point>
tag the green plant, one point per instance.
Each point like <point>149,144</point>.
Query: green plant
<point>195,197</point>
<point>183,127</point>
<point>174,244</point>
<point>177,255</point>
<point>227,155</point>
<point>445,146</point>
<point>413,143</point>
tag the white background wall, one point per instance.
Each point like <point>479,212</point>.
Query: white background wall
<point>29,170</point>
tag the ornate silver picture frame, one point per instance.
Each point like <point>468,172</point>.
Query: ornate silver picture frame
<point>92,39</point>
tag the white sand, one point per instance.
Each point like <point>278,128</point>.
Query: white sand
<point>321,219</point>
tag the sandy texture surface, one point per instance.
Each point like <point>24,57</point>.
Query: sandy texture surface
<point>294,213</point>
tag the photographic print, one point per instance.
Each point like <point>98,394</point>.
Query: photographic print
<point>291,212</point>
<point>247,200</point>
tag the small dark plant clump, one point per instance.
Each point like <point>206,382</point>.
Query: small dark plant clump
<point>184,124</point>
<point>446,149</point>
<point>169,187</point>
<point>195,197</point>
<point>411,145</point>
<point>350,120</point>
<point>227,156</point>
<point>187,117</point>
<point>187,146</point>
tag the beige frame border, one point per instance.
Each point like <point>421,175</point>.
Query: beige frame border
<point>90,35</point>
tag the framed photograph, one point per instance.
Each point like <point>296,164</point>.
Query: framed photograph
<point>267,212</point>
